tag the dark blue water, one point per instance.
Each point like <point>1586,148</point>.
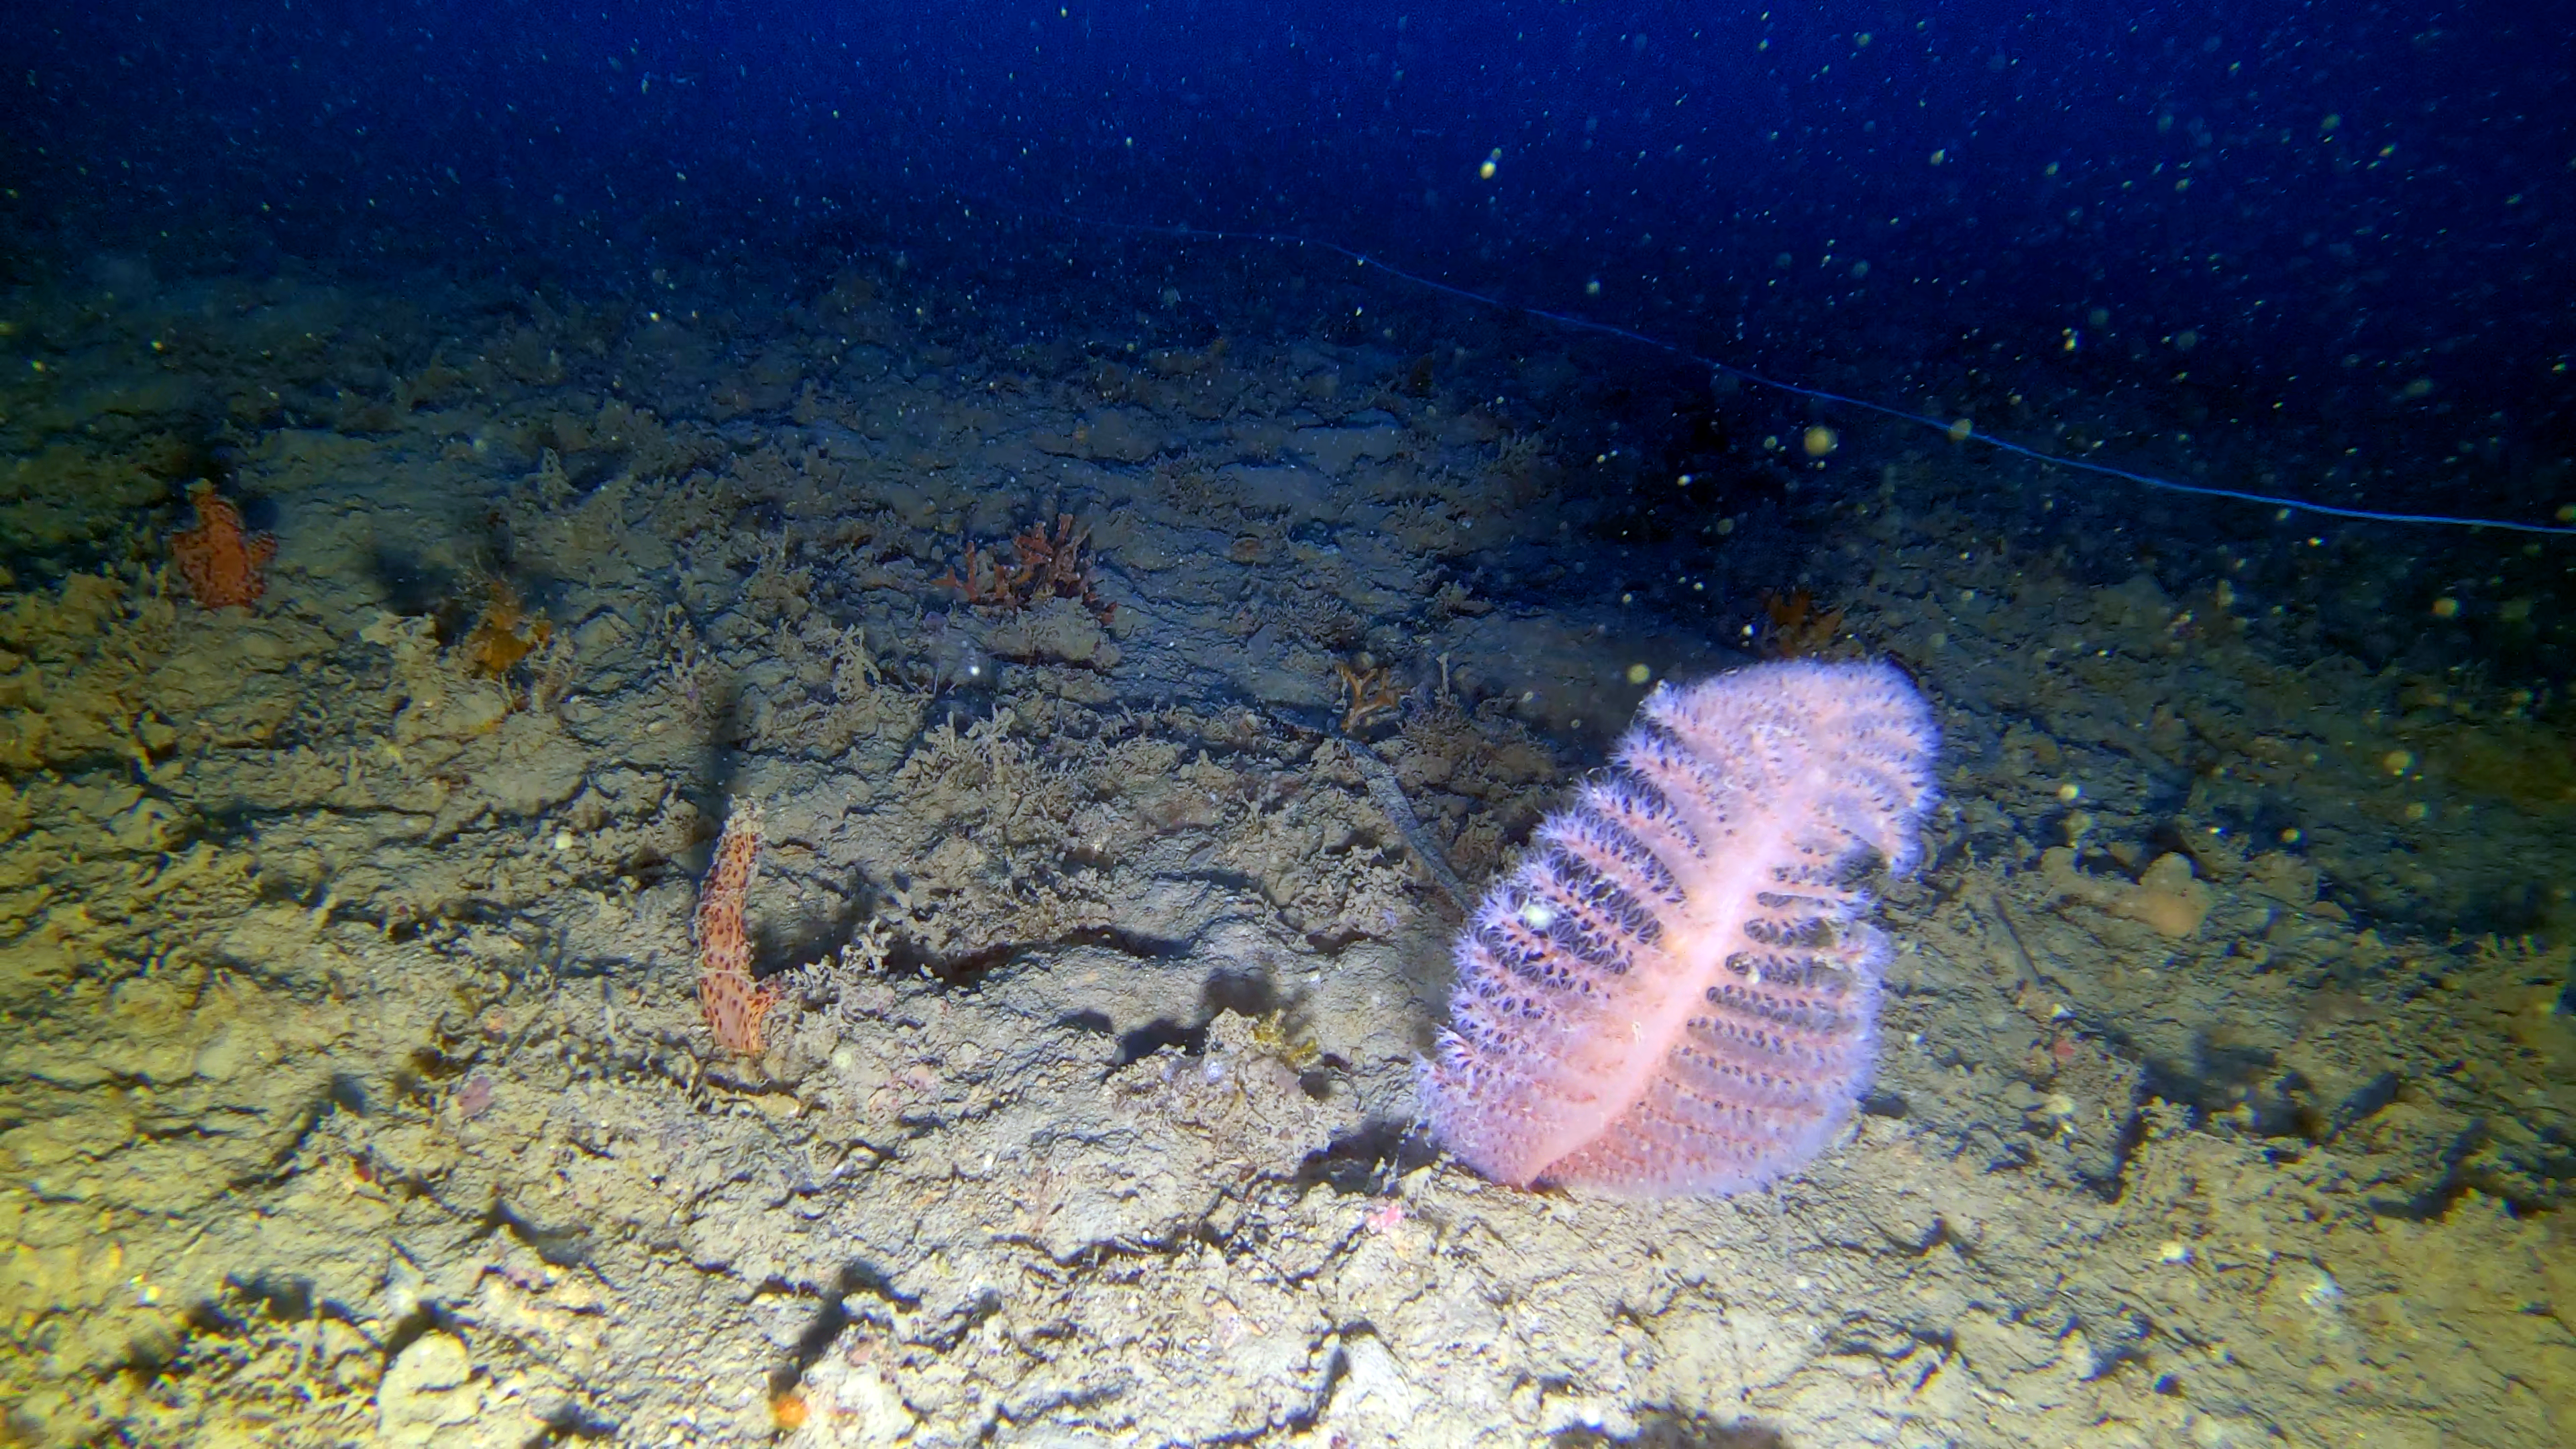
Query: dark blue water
<point>2344,226</point>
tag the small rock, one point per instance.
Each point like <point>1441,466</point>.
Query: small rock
<point>236,1045</point>
<point>1373,1386</point>
<point>429,1388</point>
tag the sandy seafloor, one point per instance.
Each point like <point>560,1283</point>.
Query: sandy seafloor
<point>353,1087</point>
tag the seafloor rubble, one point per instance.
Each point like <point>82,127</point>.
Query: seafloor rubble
<point>353,1082</point>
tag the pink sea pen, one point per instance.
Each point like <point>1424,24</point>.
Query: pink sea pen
<point>1676,991</point>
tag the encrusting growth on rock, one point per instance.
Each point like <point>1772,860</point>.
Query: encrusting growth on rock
<point>733,1002</point>
<point>504,634</point>
<point>223,564</point>
<point>1795,628</point>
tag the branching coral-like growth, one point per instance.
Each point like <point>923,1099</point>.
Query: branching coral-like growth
<point>733,1002</point>
<point>1368,691</point>
<point>1047,567</point>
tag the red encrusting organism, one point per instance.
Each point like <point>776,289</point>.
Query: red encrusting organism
<point>223,564</point>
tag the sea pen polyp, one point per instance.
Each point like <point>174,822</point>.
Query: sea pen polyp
<point>1676,989</point>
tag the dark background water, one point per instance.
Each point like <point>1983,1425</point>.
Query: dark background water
<point>2335,236</point>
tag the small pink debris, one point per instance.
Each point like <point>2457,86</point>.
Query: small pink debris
<point>475,1098</point>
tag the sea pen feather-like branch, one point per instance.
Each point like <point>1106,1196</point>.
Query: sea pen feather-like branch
<point>1675,990</point>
